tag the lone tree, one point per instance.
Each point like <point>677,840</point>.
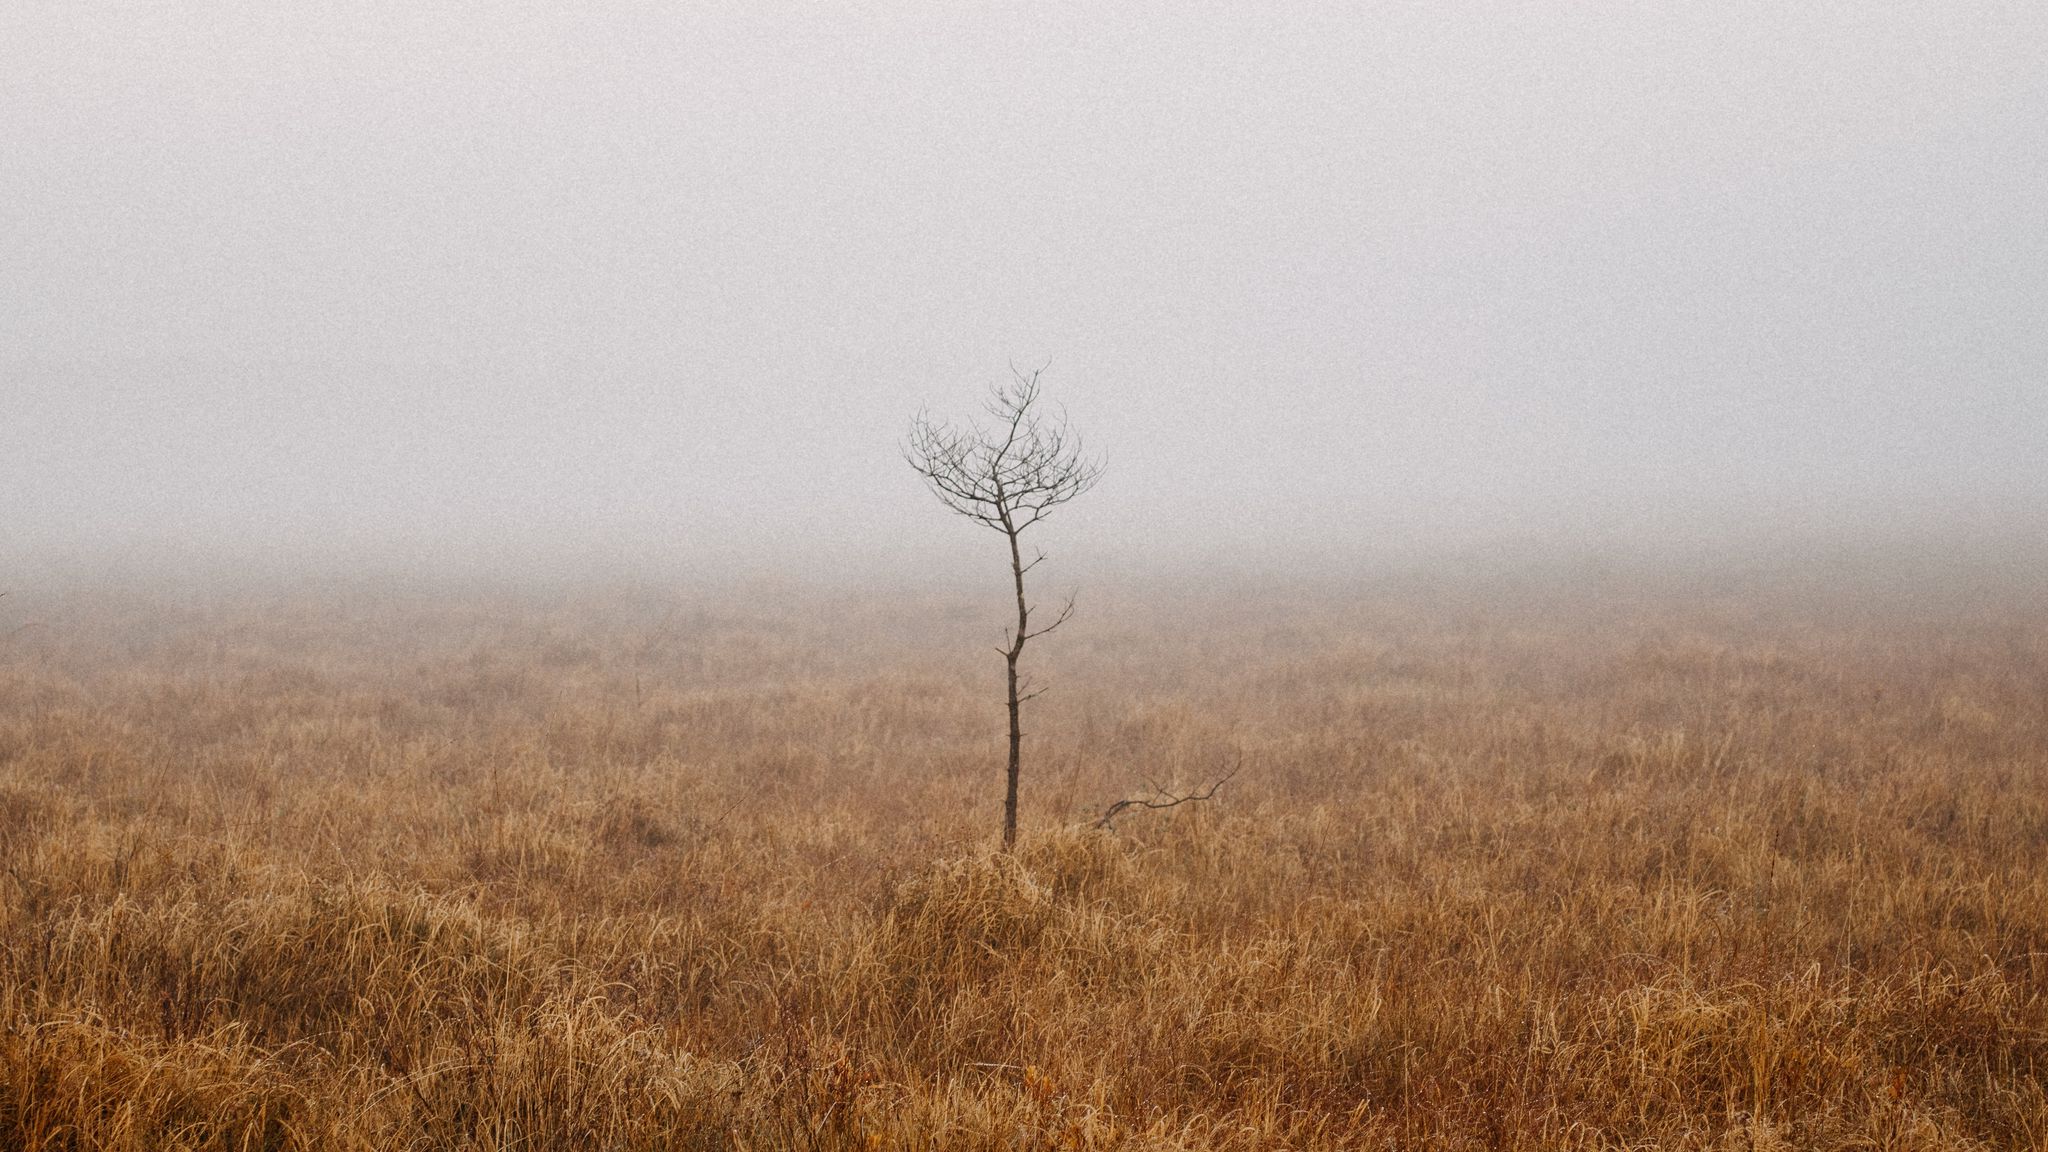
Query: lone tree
<point>1007,476</point>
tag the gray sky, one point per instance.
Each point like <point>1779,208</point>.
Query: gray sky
<point>623,280</point>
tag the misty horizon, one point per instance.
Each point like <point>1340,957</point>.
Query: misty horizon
<point>618,289</point>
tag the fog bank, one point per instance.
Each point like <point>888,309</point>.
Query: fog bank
<point>629,288</point>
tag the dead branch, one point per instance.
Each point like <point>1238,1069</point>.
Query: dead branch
<point>1161,798</point>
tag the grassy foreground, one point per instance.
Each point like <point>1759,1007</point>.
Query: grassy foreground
<point>717,872</point>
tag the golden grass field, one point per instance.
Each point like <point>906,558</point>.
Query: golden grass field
<point>363,868</point>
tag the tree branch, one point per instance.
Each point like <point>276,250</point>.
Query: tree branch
<point>1066,611</point>
<point>1162,799</point>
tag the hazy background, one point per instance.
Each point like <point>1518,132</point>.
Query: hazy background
<point>617,284</point>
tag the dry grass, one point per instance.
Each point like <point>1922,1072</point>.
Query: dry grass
<point>528,873</point>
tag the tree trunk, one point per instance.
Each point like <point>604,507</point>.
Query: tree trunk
<point>1016,750</point>
<point>1010,656</point>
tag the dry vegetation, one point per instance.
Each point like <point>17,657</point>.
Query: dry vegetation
<point>358,871</point>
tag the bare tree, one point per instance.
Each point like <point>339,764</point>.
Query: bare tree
<point>1007,476</point>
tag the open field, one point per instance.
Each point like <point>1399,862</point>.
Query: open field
<point>379,870</point>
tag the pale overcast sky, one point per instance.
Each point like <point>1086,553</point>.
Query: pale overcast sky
<point>617,281</point>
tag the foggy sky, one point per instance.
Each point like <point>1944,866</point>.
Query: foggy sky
<point>435,282</point>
